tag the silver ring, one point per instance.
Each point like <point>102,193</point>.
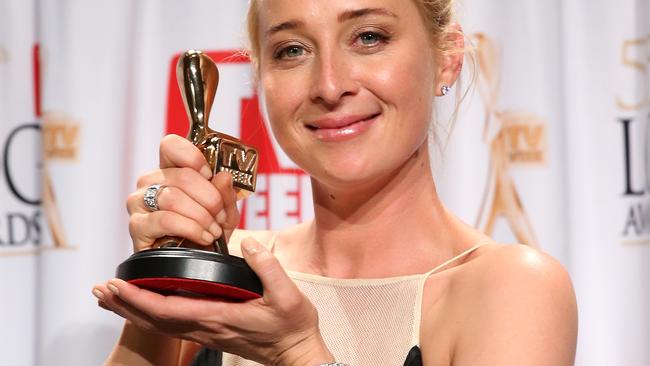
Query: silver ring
<point>151,196</point>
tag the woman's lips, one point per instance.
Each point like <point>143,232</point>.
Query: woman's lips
<point>337,129</point>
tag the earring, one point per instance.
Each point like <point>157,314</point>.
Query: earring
<point>445,89</point>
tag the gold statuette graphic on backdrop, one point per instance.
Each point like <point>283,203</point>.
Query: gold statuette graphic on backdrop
<point>172,267</point>
<point>514,138</point>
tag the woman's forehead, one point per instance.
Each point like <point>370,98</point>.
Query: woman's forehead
<point>273,12</point>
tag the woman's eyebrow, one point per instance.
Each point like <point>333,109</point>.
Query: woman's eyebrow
<point>344,16</point>
<point>358,13</point>
<point>289,25</point>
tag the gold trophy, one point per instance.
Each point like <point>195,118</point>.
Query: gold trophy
<point>172,268</point>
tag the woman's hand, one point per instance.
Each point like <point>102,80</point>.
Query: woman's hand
<point>279,329</point>
<point>193,205</point>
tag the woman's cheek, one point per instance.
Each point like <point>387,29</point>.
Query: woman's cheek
<point>285,133</point>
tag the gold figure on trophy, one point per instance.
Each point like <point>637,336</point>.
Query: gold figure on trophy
<point>513,137</point>
<point>198,79</point>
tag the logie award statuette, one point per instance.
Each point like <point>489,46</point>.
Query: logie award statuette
<point>171,268</point>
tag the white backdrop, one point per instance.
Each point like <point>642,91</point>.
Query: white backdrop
<point>551,149</point>
<point>19,184</point>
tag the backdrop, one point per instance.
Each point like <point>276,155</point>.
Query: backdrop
<point>551,149</point>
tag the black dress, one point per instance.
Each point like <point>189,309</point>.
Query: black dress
<point>210,357</point>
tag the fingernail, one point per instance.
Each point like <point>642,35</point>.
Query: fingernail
<point>113,289</point>
<point>250,247</point>
<point>215,229</point>
<point>221,217</point>
<point>98,294</point>
<point>207,237</point>
<point>206,172</point>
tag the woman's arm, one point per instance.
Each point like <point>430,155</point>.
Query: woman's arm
<point>138,347</point>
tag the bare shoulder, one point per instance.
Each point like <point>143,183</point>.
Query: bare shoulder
<point>518,300</point>
<point>504,265</point>
<point>518,279</point>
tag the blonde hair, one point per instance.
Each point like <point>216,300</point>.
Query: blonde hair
<point>437,15</point>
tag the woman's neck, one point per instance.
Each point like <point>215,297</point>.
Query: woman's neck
<point>392,227</point>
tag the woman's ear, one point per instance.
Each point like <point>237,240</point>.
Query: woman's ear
<point>451,60</point>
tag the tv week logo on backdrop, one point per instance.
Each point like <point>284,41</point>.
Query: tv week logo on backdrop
<point>283,193</point>
<point>514,138</point>
<point>26,176</point>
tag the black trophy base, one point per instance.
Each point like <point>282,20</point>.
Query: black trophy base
<point>191,272</point>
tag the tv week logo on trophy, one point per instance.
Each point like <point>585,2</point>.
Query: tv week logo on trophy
<point>283,191</point>
<point>239,163</point>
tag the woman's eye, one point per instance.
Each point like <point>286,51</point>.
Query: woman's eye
<point>371,38</point>
<point>289,52</point>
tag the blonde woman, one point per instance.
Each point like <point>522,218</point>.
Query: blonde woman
<point>383,274</point>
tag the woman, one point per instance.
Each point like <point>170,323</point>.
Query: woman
<point>349,86</point>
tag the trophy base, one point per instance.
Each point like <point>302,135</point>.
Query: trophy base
<point>191,272</point>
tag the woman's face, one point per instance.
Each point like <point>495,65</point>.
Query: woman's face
<point>348,84</point>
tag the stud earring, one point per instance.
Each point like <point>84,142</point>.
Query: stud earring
<point>445,89</point>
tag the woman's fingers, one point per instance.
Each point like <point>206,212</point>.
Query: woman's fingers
<point>159,309</point>
<point>145,228</point>
<point>210,205</point>
<point>192,203</point>
<point>176,151</point>
<point>176,200</point>
<point>228,217</point>
<point>279,291</point>
<point>108,300</point>
<point>189,181</point>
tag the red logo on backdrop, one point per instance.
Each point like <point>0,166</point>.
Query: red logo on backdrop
<point>283,195</point>
<point>36,64</point>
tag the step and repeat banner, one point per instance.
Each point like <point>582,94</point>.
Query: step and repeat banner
<point>551,149</point>
<point>21,223</point>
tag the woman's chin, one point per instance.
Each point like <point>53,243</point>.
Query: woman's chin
<point>349,178</point>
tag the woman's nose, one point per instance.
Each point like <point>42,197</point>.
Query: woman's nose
<point>332,79</point>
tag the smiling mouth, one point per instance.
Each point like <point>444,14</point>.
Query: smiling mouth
<point>340,125</point>
<point>341,129</point>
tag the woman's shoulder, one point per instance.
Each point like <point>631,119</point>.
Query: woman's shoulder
<point>497,264</point>
<point>504,295</point>
<point>496,272</point>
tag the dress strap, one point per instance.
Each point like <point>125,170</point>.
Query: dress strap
<point>417,311</point>
<point>454,259</point>
<point>274,238</point>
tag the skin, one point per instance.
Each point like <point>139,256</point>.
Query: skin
<point>373,192</point>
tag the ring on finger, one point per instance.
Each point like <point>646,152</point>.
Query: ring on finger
<point>151,196</point>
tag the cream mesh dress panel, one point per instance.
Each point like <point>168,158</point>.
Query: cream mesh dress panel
<point>363,322</point>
